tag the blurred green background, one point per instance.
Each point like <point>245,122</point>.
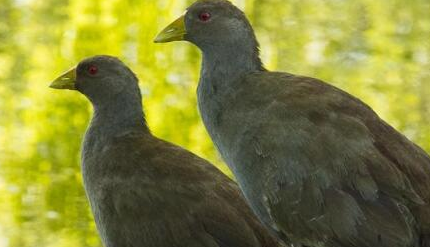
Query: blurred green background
<point>377,50</point>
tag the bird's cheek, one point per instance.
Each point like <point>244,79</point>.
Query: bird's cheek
<point>194,38</point>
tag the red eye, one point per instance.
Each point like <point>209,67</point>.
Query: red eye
<point>93,69</point>
<point>205,16</point>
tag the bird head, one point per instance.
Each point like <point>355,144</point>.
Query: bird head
<point>99,78</point>
<point>209,23</point>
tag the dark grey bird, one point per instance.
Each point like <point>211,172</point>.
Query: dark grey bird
<point>146,192</point>
<point>316,164</point>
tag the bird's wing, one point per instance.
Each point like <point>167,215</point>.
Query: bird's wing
<point>143,216</point>
<point>224,212</point>
<point>185,203</point>
<point>334,169</point>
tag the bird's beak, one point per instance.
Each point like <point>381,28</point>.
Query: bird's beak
<point>66,80</point>
<point>174,32</point>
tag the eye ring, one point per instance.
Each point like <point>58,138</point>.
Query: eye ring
<point>205,16</point>
<point>93,70</point>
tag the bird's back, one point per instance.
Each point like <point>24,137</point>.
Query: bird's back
<point>147,192</point>
<point>320,166</point>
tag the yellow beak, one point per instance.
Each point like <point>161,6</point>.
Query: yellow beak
<point>174,32</point>
<point>66,80</point>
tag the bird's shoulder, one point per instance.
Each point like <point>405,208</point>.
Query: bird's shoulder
<point>139,152</point>
<point>290,88</point>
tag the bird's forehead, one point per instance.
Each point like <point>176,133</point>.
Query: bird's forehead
<point>100,61</point>
<point>211,4</point>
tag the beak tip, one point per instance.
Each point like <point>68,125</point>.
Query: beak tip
<point>65,81</point>
<point>53,86</point>
<point>162,38</point>
<point>56,85</point>
<point>176,31</point>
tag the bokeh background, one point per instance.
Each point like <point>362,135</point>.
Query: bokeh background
<point>376,50</point>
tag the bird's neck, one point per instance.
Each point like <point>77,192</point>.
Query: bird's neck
<point>223,65</point>
<point>123,113</point>
<point>221,73</point>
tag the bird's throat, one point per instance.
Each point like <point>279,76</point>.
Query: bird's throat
<point>231,61</point>
<point>120,114</point>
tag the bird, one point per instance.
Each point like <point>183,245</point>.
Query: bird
<point>144,191</point>
<point>317,165</point>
